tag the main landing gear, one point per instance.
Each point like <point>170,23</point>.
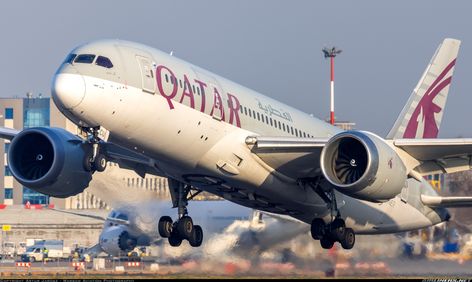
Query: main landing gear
<point>95,160</point>
<point>183,228</point>
<point>336,230</point>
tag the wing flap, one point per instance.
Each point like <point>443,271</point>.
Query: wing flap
<point>291,156</point>
<point>446,202</point>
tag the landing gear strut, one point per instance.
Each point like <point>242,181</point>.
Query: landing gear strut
<point>95,160</point>
<point>183,228</point>
<point>336,230</point>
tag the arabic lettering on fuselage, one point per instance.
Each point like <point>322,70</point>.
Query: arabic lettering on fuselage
<point>269,110</point>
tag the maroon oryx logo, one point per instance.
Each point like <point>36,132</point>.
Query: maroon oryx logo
<point>428,108</point>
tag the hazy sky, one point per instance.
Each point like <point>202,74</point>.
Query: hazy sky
<point>273,47</point>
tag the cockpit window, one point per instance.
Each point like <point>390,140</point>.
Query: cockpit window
<point>70,58</point>
<point>104,62</point>
<point>84,59</point>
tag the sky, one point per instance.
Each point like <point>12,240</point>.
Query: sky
<point>271,46</point>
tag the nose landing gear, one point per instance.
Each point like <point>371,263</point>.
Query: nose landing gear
<point>94,160</point>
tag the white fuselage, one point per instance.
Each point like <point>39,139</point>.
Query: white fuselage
<point>196,133</point>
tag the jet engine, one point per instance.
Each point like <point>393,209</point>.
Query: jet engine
<point>50,161</point>
<point>362,165</point>
<point>115,240</point>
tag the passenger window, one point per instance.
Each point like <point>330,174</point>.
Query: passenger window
<point>258,118</point>
<point>167,78</point>
<point>245,110</point>
<point>84,59</point>
<point>271,122</point>
<point>250,113</point>
<point>70,58</point>
<point>104,62</point>
<point>291,129</point>
<point>180,81</point>
<point>193,87</point>
<point>198,90</point>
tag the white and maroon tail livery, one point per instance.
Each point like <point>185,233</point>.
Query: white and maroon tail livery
<point>422,115</point>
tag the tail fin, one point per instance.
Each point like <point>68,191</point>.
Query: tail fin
<point>422,114</point>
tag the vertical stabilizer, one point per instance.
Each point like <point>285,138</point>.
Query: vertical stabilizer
<point>422,114</point>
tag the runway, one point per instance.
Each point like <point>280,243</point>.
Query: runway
<point>391,268</point>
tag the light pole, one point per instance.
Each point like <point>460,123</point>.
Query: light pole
<point>331,53</point>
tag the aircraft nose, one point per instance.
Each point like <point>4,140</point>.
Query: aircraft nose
<point>68,90</point>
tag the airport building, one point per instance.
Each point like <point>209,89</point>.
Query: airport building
<point>20,113</point>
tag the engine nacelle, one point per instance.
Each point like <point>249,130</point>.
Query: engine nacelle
<point>50,161</point>
<point>362,165</point>
<point>115,240</point>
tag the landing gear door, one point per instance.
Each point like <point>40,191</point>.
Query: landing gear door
<point>147,74</point>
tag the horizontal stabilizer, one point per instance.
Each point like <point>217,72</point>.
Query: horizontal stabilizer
<point>446,202</point>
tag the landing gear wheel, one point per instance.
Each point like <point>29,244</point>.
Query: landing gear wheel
<point>349,239</point>
<point>338,229</point>
<point>165,226</point>
<point>175,240</point>
<point>326,242</point>
<point>197,236</point>
<point>88,162</point>
<point>100,163</point>
<point>185,227</point>
<point>317,228</point>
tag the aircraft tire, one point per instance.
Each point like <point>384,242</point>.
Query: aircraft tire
<point>338,229</point>
<point>175,240</point>
<point>165,226</point>
<point>100,162</point>
<point>326,242</point>
<point>88,163</point>
<point>349,239</point>
<point>197,236</point>
<point>185,227</point>
<point>317,228</point>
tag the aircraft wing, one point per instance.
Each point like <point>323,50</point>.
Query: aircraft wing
<point>446,202</point>
<point>300,157</point>
<point>291,156</point>
<point>438,155</point>
<point>131,160</point>
<point>8,133</point>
